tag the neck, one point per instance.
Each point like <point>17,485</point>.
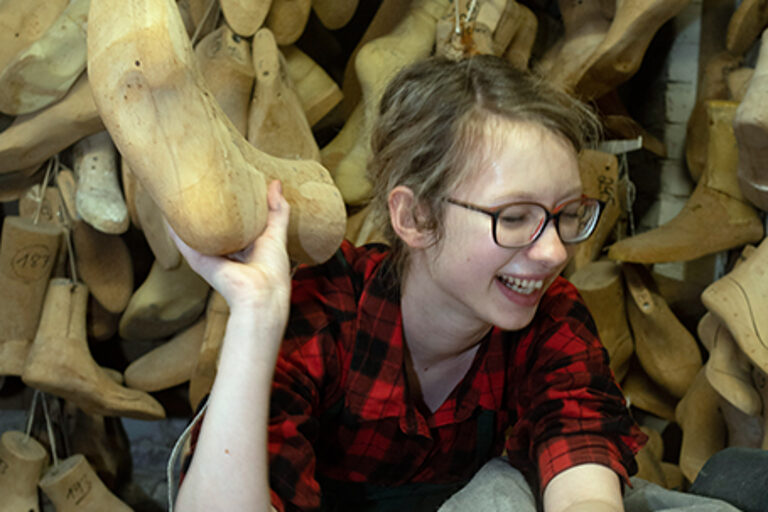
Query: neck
<point>435,329</point>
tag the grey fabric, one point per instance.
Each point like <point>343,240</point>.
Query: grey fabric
<point>648,497</point>
<point>738,475</point>
<point>498,487</point>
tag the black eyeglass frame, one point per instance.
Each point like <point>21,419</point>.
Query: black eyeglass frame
<point>495,213</point>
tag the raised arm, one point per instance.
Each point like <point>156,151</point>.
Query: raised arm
<point>229,470</point>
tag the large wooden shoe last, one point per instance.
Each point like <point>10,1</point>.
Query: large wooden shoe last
<point>44,71</point>
<point>287,19</point>
<point>316,90</point>
<point>59,361</point>
<point>745,25</point>
<point>728,370</point>
<point>22,22</point>
<point>204,373</point>
<point>599,173</point>
<point>277,124</point>
<point>376,64</point>
<point>22,460</point>
<point>35,137</point>
<point>703,426</point>
<point>715,218</point>
<point>104,265</point>
<point>739,299</point>
<point>226,64</point>
<point>245,16</point>
<point>642,392</point>
<point>585,25</point>
<point>619,55</point>
<point>713,85</point>
<point>601,285</point>
<point>167,301</point>
<point>207,179</point>
<point>73,486</point>
<point>170,364</point>
<point>666,350</point>
<point>750,126</point>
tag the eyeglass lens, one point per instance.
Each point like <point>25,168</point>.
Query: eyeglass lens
<point>518,224</point>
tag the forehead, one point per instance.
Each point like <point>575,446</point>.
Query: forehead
<point>518,160</point>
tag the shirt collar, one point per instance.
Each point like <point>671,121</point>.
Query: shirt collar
<point>376,383</point>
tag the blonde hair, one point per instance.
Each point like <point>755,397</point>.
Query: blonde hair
<point>430,126</point>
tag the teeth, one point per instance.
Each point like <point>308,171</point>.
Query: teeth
<point>525,286</point>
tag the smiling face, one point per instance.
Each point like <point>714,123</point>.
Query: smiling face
<point>466,275</point>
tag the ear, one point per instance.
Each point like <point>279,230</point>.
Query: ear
<point>403,214</point>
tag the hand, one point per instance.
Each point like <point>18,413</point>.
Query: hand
<point>257,276</point>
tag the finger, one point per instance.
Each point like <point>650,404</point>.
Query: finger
<point>279,211</point>
<point>276,230</point>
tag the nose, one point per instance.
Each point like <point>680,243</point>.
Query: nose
<point>549,248</point>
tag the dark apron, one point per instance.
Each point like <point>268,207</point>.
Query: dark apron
<point>341,496</point>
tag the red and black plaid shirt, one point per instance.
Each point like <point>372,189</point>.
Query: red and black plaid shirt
<point>555,400</point>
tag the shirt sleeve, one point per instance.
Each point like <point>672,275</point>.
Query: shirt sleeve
<point>570,409</point>
<point>306,381</point>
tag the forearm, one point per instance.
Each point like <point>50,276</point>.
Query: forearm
<point>593,506</point>
<point>584,488</point>
<point>229,470</point>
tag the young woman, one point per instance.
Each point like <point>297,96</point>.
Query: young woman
<point>400,372</point>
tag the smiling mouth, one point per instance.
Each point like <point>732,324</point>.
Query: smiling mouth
<point>522,286</point>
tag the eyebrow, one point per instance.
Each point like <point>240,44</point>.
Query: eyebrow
<point>526,197</point>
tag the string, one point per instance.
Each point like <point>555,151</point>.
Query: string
<point>49,428</point>
<point>457,28</point>
<point>471,10</point>
<point>31,415</point>
<point>41,191</point>
<point>199,26</point>
<point>65,216</point>
<point>71,253</point>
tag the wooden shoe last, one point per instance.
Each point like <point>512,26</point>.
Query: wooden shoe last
<point>376,63</point>
<point>99,200</point>
<point>59,361</point>
<point>44,71</point>
<point>170,364</point>
<point>739,299</point>
<point>750,126</point>
<point>703,426</point>
<point>212,188</point>
<point>715,218</point>
<point>666,350</point>
<point>601,285</point>
<point>35,137</point>
<point>27,255</point>
<point>276,121</point>
<point>22,22</point>
<point>728,369</point>
<point>22,460</point>
<point>73,486</point>
<point>166,302</point>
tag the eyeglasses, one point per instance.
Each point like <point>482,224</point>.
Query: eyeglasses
<point>517,225</point>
